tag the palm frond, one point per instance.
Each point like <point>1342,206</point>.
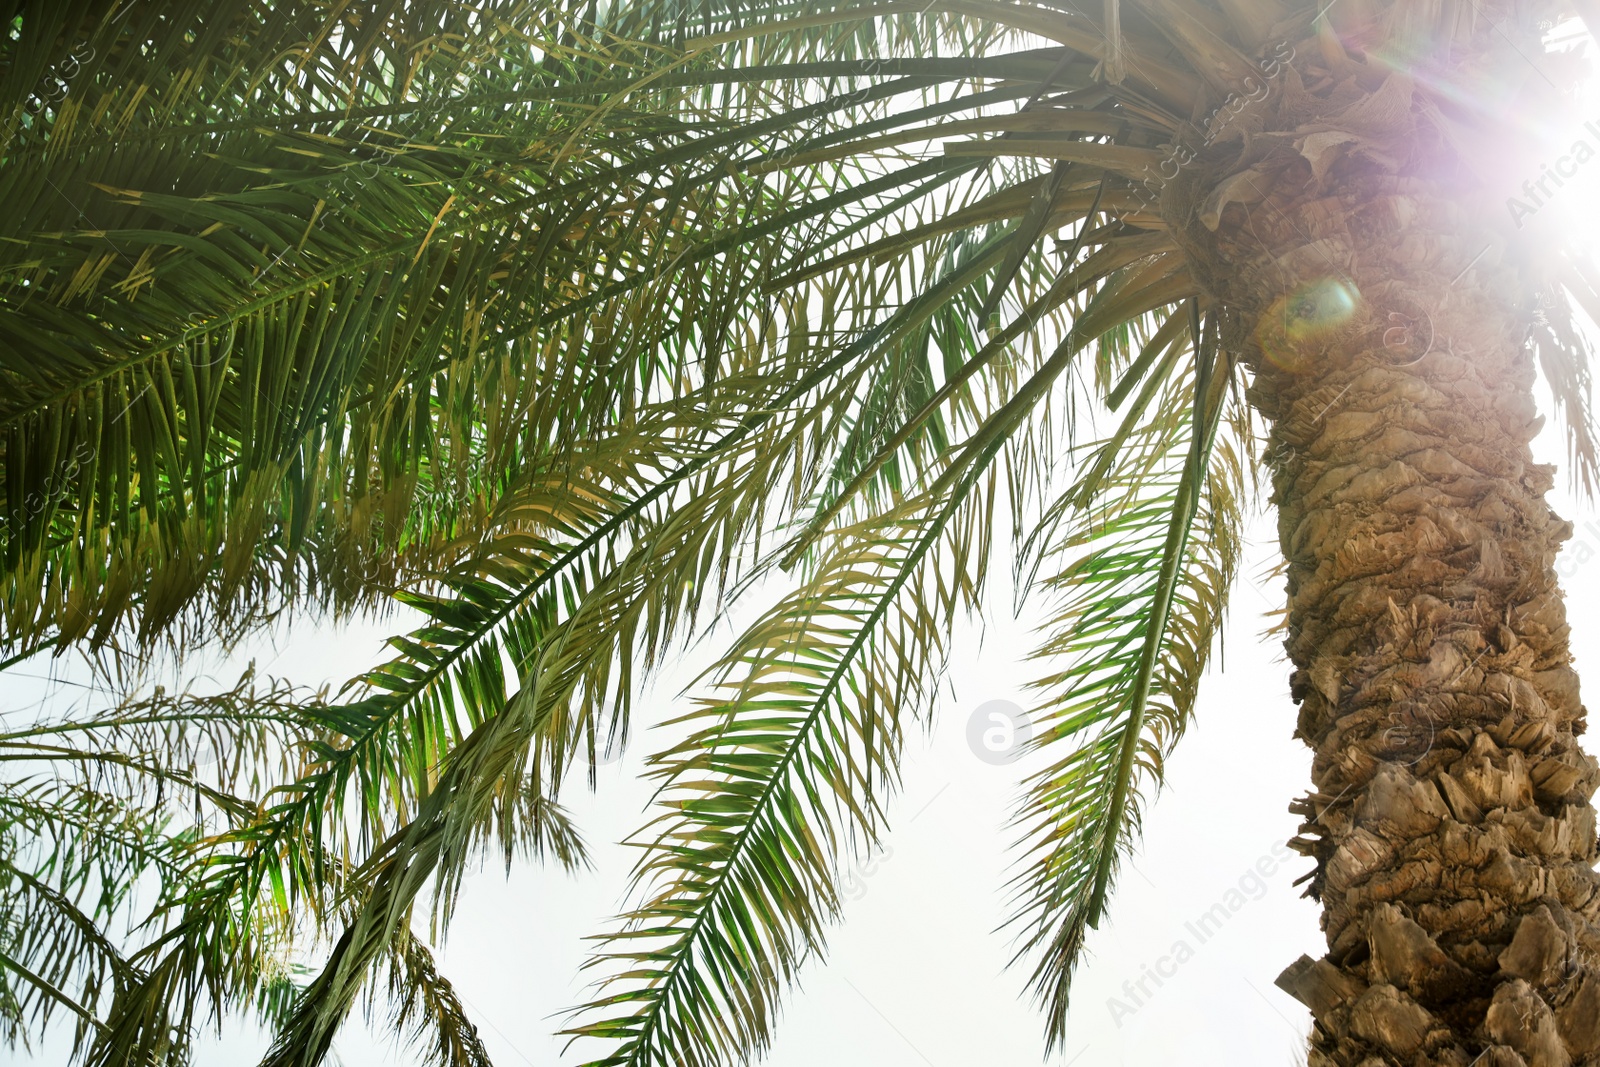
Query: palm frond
<point>779,775</point>
<point>426,1004</point>
<point>1142,566</point>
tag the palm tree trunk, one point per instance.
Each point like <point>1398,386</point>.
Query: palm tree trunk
<point>1450,817</point>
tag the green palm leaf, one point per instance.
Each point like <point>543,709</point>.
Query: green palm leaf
<point>1141,588</point>
<point>776,779</point>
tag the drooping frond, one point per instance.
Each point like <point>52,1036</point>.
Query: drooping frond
<point>1564,359</point>
<point>95,808</point>
<point>1140,554</point>
<point>425,1004</point>
<point>782,772</point>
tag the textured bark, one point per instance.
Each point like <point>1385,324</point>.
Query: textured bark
<point>1450,817</point>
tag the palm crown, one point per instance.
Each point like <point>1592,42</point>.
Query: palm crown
<point>567,327</point>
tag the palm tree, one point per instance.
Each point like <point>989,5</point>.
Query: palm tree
<point>799,332</point>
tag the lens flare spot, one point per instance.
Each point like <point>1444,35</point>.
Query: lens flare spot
<point>1299,324</point>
